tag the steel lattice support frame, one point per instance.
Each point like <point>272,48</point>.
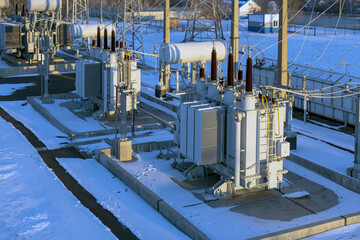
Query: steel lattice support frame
<point>130,31</point>
<point>197,27</point>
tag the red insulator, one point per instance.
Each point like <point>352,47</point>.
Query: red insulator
<point>230,75</point>
<point>213,65</point>
<point>98,37</point>
<point>106,39</point>
<point>202,73</point>
<point>240,75</point>
<point>249,75</point>
<point>113,41</point>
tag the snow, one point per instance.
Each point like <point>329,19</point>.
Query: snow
<point>221,223</point>
<point>342,233</point>
<point>69,119</point>
<point>43,129</point>
<point>8,89</point>
<point>115,196</point>
<point>298,194</point>
<point>3,64</point>
<point>34,203</point>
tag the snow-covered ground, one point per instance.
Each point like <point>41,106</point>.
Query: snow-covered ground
<point>144,221</point>
<point>34,203</point>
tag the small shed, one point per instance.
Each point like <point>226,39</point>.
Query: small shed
<point>264,22</point>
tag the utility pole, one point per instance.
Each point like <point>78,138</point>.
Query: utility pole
<point>282,45</point>
<point>167,40</point>
<point>235,34</point>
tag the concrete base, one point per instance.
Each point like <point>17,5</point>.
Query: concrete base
<point>46,99</point>
<point>160,91</point>
<point>354,172</point>
<point>123,150</point>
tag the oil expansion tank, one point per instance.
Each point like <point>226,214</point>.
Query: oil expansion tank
<point>191,52</point>
<point>43,5</point>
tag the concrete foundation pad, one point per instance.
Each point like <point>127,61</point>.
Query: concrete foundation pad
<point>305,230</point>
<point>123,150</point>
<point>269,206</point>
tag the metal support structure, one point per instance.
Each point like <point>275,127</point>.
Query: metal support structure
<point>130,32</point>
<point>282,45</point>
<point>197,28</point>
<point>166,39</point>
<point>356,170</point>
<point>123,133</point>
<point>101,11</point>
<point>79,10</point>
<point>235,35</point>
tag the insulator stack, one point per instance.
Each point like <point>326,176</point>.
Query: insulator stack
<point>230,75</point>
<point>23,11</point>
<point>240,75</point>
<point>98,37</point>
<point>249,75</point>
<point>16,9</point>
<point>106,39</point>
<point>121,44</point>
<point>213,65</point>
<point>117,43</point>
<point>93,42</point>
<point>202,73</point>
<point>113,41</point>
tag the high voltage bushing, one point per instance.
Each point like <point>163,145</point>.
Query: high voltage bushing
<point>249,75</point>
<point>213,65</point>
<point>231,70</point>
<point>98,37</point>
<point>105,39</point>
<point>240,75</point>
<point>113,41</point>
<point>202,73</point>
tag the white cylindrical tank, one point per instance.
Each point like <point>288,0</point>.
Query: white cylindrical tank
<point>89,30</point>
<point>4,4</point>
<point>191,52</point>
<point>43,5</point>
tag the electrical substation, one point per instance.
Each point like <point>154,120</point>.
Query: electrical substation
<point>199,126</point>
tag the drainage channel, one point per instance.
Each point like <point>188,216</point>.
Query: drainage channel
<point>85,198</point>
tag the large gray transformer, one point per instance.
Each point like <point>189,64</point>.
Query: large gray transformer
<point>27,36</point>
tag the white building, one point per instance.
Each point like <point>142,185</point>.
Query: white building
<point>247,7</point>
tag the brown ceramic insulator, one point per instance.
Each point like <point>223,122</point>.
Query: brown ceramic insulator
<point>202,73</point>
<point>93,42</point>
<point>113,41</point>
<point>98,37</point>
<point>106,39</point>
<point>117,43</point>
<point>213,66</point>
<point>240,75</point>
<point>230,75</point>
<point>249,75</point>
<point>121,44</point>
